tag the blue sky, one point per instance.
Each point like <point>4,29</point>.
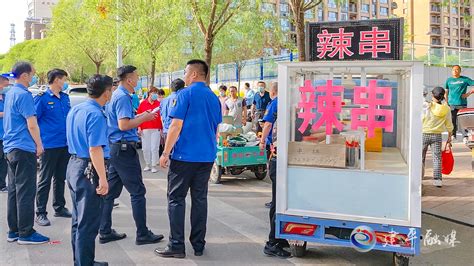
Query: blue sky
<point>12,11</point>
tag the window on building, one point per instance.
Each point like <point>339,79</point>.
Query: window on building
<point>332,16</point>
<point>384,11</point>
<point>364,18</point>
<point>285,24</point>
<point>455,33</point>
<point>365,8</point>
<point>446,20</point>
<point>320,14</point>
<point>268,7</point>
<point>268,24</point>
<point>309,14</point>
<point>435,41</point>
<point>454,10</point>
<point>374,10</point>
<point>332,4</point>
<point>284,10</point>
<point>344,17</point>
<point>454,21</point>
<point>447,42</point>
<point>384,1</point>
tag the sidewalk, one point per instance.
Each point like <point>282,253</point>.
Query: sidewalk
<point>455,200</point>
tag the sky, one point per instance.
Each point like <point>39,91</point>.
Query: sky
<point>12,11</point>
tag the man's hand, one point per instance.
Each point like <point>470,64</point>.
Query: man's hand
<point>39,150</point>
<point>262,146</point>
<point>164,160</point>
<point>103,187</point>
<point>148,116</point>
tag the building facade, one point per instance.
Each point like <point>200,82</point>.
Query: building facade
<point>438,23</point>
<point>39,15</point>
<point>329,10</point>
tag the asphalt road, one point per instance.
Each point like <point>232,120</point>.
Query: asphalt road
<point>237,230</point>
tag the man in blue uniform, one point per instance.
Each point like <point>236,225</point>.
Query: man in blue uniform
<point>165,109</point>
<point>273,247</point>
<point>125,169</point>
<point>87,141</point>
<point>4,84</point>
<point>259,104</point>
<point>196,113</point>
<point>52,108</point>
<point>22,144</point>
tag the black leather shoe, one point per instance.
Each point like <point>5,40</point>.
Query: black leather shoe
<point>276,250</point>
<point>169,253</point>
<point>150,238</point>
<point>64,212</point>
<point>268,204</point>
<point>113,236</point>
<point>42,220</point>
<point>198,253</point>
<point>101,263</point>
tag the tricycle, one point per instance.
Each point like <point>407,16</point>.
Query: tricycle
<point>236,160</point>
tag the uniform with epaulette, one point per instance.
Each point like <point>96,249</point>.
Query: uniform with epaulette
<point>51,111</point>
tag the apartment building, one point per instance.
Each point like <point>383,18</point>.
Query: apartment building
<point>39,15</point>
<point>438,23</point>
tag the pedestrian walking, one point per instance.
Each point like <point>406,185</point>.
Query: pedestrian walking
<point>150,131</point>
<point>22,145</point>
<point>4,87</point>
<point>236,107</point>
<point>436,120</point>
<point>52,107</point>
<point>259,104</point>
<point>125,170</point>
<point>249,95</point>
<point>274,246</point>
<point>86,129</point>
<point>223,97</point>
<point>456,95</point>
<point>192,138</point>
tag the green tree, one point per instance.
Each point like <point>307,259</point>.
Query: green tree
<point>211,17</point>
<point>148,25</point>
<point>83,27</point>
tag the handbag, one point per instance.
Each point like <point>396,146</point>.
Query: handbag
<point>447,160</point>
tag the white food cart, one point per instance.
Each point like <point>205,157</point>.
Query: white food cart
<point>332,188</point>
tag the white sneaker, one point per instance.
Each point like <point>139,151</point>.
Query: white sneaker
<point>438,182</point>
<point>146,168</point>
<point>465,140</point>
<point>154,170</point>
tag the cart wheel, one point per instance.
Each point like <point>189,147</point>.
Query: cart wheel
<point>298,251</point>
<point>261,172</point>
<point>216,174</point>
<point>400,260</point>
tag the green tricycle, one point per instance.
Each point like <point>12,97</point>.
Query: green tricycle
<point>236,160</point>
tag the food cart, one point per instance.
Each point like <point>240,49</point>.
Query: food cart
<point>355,180</point>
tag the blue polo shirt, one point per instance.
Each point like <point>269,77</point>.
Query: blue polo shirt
<point>2,104</point>
<point>51,112</point>
<point>165,111</point>
<point>19,106</point>
<point>86,127</point>
<point>271,117</point>
<point>260,101</point>
<point>120,107</point>
<point>200,110</point>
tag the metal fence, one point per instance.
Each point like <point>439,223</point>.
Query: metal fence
<point>266,68</point>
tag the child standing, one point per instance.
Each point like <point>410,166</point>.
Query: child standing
<point>436,120</point>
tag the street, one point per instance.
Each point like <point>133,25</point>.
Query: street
<point>237,230</point>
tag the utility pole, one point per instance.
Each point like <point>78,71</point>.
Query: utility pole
<point>12,35</point>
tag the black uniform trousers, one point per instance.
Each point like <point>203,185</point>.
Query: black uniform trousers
<point>3,167</point>
<point>184,176</point>
<point>272,172</point>
<point>125,170</point>
<point>21,191</point>
<point>454,118</point>
<point>53,165</point>
<point>86,211</point>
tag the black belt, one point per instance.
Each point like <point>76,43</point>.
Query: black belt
<point>129,143</point>
<point>74,156</point>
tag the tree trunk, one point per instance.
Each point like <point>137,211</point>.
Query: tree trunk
<point>300,38</point>
<point>152,73</point>
<point>208,50</point>
<point>97,67</point>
